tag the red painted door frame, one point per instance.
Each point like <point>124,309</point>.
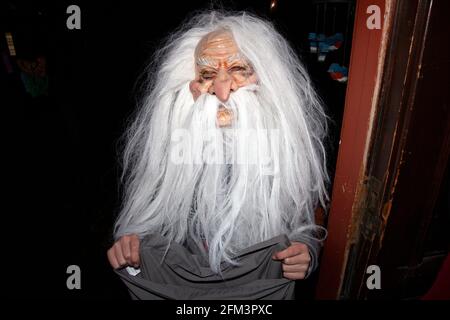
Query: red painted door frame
<point>366,59</point>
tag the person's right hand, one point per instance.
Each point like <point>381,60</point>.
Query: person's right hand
<point>125,252</point>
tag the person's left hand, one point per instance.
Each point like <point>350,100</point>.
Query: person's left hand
<point>295,260</point>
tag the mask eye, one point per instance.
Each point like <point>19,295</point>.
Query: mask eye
<point>237,69</point>
<point>207,75</point>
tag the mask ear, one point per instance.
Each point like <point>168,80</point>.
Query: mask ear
<point>194,87</point>
<point>197,88</point>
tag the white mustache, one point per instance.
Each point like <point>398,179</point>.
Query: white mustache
<point>212,108</point>
<point>242,90</point>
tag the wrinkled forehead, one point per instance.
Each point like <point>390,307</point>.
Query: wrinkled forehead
<point>217,45</point>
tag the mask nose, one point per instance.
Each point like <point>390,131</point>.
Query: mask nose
<point>223,86</point>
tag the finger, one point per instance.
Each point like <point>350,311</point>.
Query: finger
<point>303,258</point>
<point>292,250</point>
<point>294,275</point>
<point>295,268</point>
<point>126,250</point>
<point>134,247</point>
<point>112,258</point>
<point>119,256</point>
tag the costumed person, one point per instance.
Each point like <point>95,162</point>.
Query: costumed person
<point>224,167</point>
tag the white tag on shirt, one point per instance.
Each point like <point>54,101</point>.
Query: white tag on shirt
<point>133,271</point>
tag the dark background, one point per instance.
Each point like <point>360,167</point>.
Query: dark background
<point>61,174</point>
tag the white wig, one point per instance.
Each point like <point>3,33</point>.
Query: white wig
<point>179,201</point>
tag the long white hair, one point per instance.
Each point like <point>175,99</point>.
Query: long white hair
<point>226,207</point>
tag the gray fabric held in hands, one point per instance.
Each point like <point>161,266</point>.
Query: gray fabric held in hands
<point>181,274</point>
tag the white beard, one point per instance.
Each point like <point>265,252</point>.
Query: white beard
<point>228,175</point>
<point>227,187</point>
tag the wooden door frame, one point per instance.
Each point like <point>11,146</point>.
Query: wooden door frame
<point>377,118</point>
<point>366,65</point>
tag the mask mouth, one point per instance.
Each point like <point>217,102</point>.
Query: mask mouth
<point>225,117</point>
<point>226,112</point>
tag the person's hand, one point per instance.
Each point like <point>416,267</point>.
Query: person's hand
<point>295,260</point>
<point>125,252</point>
